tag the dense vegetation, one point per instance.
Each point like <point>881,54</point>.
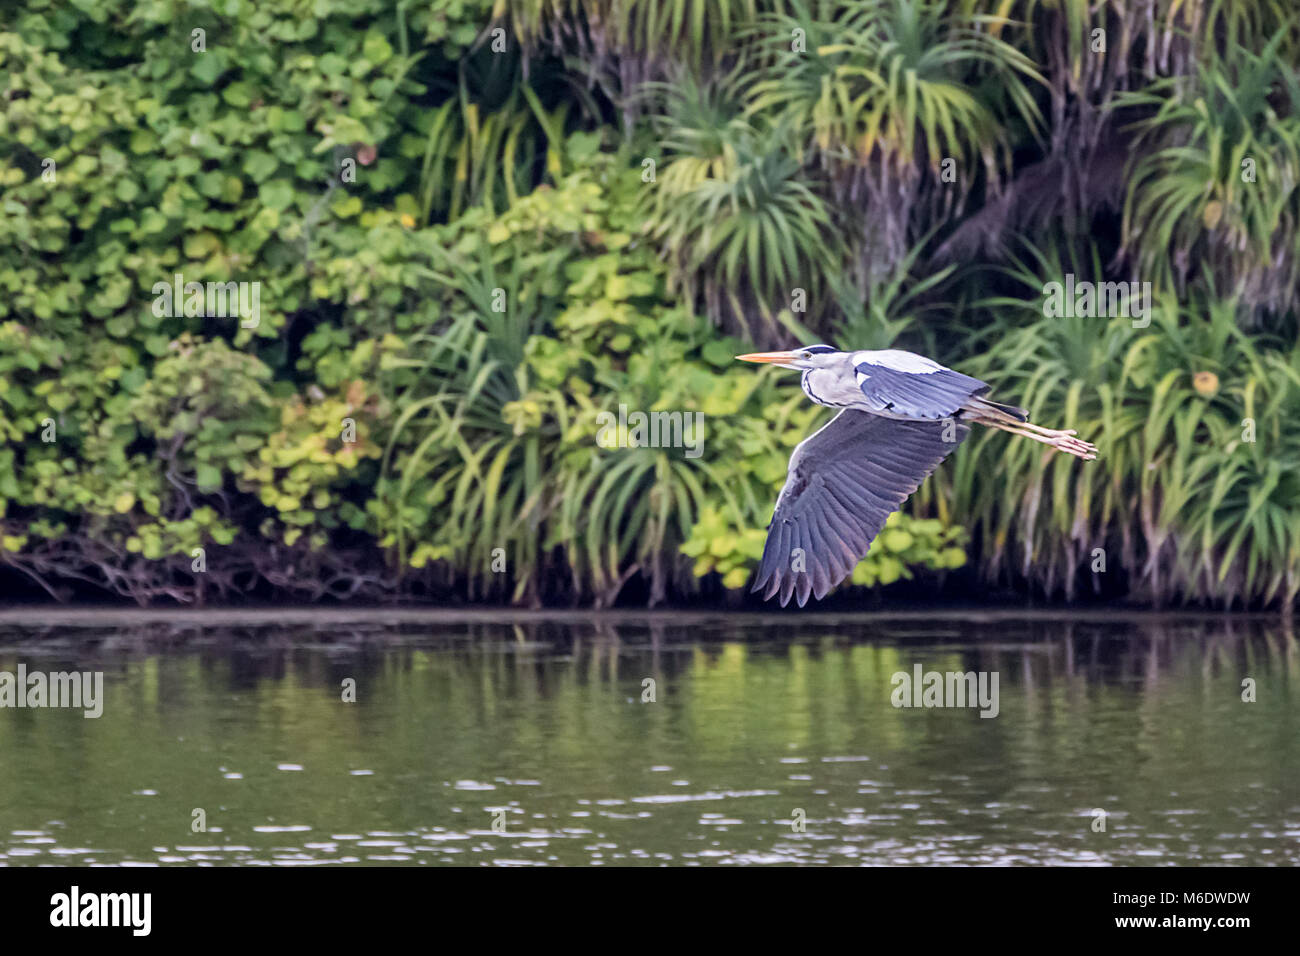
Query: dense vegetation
<point>478,226</point>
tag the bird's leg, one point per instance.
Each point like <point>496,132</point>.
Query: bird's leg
<point>1068,433</point>
<point>1061,440</point>
<point>1051,432</point>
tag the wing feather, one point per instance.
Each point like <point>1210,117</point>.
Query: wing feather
<point>929,395</point>
<point>844,481</point>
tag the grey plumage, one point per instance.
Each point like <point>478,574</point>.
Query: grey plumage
<point>844,481</point>
<point>932,396</point>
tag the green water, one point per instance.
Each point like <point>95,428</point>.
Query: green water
<point>771,739</point>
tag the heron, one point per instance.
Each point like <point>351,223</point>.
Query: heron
<point>900,415</point>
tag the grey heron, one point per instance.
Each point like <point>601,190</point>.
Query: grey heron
<point>901,414</point>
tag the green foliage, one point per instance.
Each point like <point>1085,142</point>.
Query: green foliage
<point>131,152</point>
<point>1218,181</point>
<point>904,544</point>
<point>1195,486</point>
<point>755,229</point>
<point>892,78</point>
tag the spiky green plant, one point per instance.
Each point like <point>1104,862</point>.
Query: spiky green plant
<point>1190,495</point>
<point>633,41</point>
<point>469,441</point>
<point>743,227</point>
<point>1216,180</point>
<point>890,96</point>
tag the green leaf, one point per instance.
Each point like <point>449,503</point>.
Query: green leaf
<point>376,49</point>
<point>208,477</point>
<point>276,195</point>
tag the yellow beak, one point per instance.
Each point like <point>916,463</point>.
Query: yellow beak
<point>767,357</point>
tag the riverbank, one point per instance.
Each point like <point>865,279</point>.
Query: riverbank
<point>222,617</point>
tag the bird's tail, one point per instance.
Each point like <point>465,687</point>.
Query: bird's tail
<point>982,406</point>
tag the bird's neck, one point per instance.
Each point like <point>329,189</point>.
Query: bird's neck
<point>806,382</point>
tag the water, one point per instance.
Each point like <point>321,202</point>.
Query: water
<point>760,724</point>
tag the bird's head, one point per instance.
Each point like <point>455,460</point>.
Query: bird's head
<point>810,356</point>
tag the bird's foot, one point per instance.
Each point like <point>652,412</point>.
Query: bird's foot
<point>1060,439</point>
<point>1067,442</point>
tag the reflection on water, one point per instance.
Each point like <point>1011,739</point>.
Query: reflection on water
<point>770,740</point>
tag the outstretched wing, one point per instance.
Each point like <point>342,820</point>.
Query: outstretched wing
<point>844,481</point>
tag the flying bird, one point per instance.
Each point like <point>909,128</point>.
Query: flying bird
<point>902,413</point>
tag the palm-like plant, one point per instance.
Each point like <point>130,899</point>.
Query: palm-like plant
<point>467,444</point>
<point>1217,175</point>
<point>875,316</point>
<point>492,139</point>
<point>740,223</point>
<point>699,125</point>
<point>883,92</point>
<point>476,158</point>
<point>620,45</point>
<point>1192,488</point>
